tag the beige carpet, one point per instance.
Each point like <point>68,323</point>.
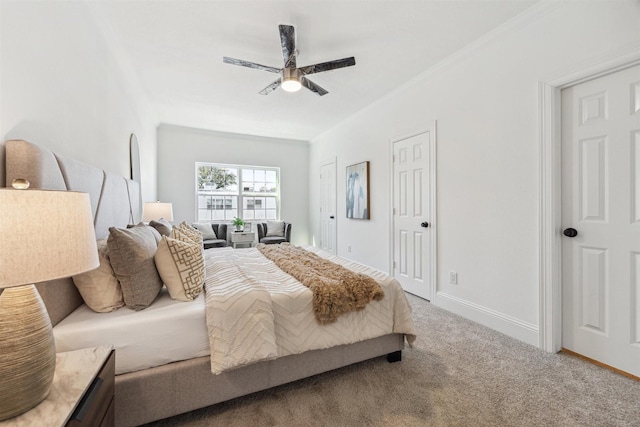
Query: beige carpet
<point>458,374</point>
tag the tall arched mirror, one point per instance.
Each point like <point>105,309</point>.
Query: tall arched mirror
<point>135,158</point>
<point>134,154</point>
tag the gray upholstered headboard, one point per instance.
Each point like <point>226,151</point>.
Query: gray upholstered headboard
<point>115,202</point>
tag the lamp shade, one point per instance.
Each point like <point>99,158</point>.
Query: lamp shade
<point>46,235</point>
<point>156,210</point>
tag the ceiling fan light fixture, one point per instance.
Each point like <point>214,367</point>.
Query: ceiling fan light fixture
<point>291,79</point>
<point>291,85</point>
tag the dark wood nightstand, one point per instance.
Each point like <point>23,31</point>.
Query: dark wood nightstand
<point>82,393</point>
<point>96,406</point>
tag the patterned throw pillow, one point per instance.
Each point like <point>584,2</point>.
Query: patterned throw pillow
<point>186,233</point>
<point>181,267</point>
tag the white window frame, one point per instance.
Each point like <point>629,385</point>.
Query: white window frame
<point>241,194</point>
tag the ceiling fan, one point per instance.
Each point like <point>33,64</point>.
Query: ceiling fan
<point>293,78</point>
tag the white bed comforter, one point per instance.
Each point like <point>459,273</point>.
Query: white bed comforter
<point>257,312</point>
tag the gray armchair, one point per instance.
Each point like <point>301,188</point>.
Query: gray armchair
<point>221,233</point>
<point>269,240</point>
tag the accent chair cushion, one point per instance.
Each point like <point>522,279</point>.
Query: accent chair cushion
<point>215,243</point>
<point>272,240</point>
<point>131,252</point>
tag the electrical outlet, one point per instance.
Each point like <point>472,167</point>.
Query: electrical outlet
<point>349,248</point>
<point>453,277</point>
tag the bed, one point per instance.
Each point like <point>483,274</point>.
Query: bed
<point>168,381</point>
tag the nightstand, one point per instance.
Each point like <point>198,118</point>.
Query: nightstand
<point>81,394</point>
<point>243,237</point>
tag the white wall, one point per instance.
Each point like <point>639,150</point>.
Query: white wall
<point>63,88</point>
<point>179,149</point>
<point>485,101</point>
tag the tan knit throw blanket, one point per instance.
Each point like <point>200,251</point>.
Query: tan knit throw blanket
<point>336,289</point>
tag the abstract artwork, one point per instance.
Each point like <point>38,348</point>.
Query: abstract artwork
<point>358,191</point>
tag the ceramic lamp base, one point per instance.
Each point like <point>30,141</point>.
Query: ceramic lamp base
<point>27,351</point>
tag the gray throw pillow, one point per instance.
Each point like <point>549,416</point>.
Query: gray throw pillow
<point>131,252</point>
<point>162,226</point>
<point>275,229</point>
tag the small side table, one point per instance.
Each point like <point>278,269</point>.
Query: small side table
<point>81,394</point>
<point>242,237</point>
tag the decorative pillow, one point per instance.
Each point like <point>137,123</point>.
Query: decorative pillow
<point>162,226</point>
<point>275,229</point>
<point>131,253</point>
<point>206,230</point>
<point>185,232</point>
<point>181,267</point>
<point>156,233</point>
<point>99,288</point>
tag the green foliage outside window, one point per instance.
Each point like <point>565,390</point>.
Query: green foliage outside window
<point>211,176</point>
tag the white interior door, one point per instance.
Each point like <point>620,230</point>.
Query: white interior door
<point>601,202</point>
<point>328,207</point>
<point>412,214</point>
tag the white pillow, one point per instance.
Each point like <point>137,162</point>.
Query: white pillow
<point>275,229</point>
<point>100,288</point>
<point>181,267</point>
<point>206,230</point>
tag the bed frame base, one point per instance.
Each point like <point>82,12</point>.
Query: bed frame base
<point>179,387</point>
<point>175,388</point>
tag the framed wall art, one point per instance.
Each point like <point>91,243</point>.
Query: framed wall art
<point>358,191</point>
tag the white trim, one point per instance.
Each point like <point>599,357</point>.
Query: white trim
<point>550,262</point>
<point>332,160</point>
<point>508,325</point>
<point>392,200</point>
<point>434,220</point>
<point>550,286</point>
<point>433,262</point>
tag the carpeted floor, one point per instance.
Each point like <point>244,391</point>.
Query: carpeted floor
<point>458,374</point>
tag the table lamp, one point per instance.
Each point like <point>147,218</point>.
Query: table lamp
<point>45,235</point>
<point>153,211</point>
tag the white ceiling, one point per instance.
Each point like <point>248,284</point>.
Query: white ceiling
<point>176,49</point>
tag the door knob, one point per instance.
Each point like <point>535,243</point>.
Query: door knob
<point>332,217</point>
<point>570,232</point>
<point>424,224</point>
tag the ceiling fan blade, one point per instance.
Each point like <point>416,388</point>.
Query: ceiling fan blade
<point>248,64</point>
<point>313,87</point>
<point>330,65</point>
<point>273,86</point>
<point>288,42</point>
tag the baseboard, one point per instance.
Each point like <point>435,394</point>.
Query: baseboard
<point>504,323</point>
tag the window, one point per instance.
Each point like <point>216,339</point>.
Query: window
<point>227,191</point>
